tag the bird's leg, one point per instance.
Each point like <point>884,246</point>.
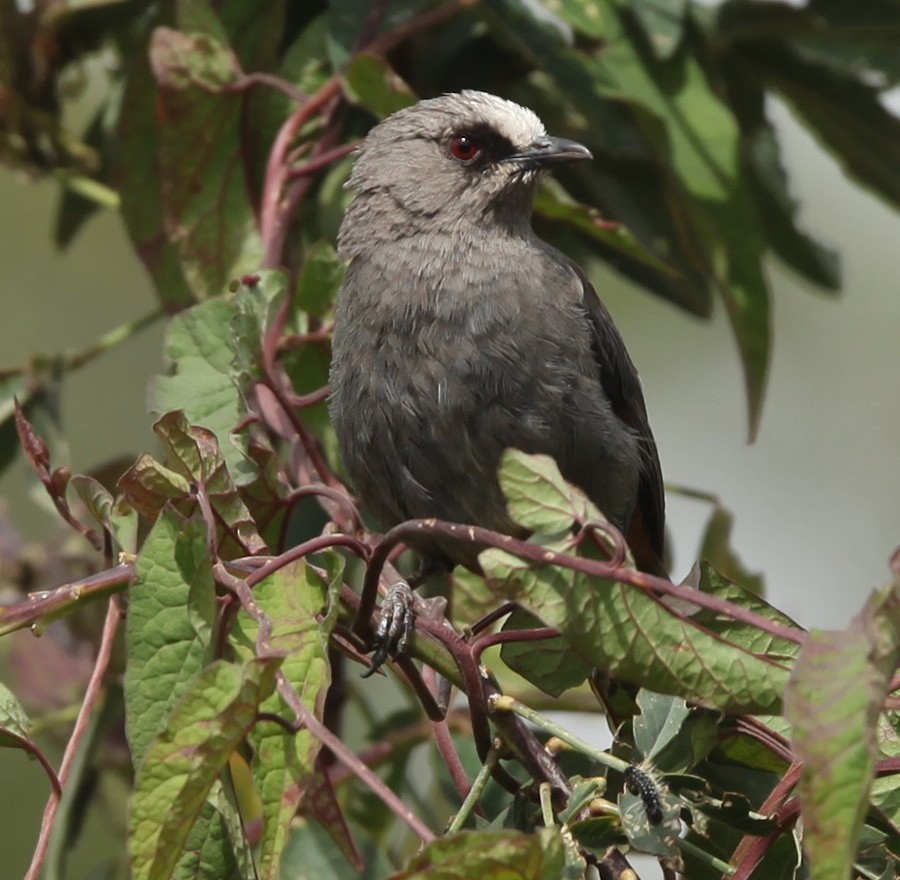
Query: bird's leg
<point>398,613</point>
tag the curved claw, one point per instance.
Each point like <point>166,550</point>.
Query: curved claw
<point>397,623</point>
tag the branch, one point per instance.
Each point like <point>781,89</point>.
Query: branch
<point>40,609</point>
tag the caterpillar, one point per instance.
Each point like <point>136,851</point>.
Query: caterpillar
<point>639,782</point>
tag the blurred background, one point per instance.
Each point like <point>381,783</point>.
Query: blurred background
<point>816,498</point>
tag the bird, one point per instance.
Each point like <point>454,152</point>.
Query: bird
<point>459,333</point>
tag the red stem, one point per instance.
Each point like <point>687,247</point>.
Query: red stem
<point>91,696</point>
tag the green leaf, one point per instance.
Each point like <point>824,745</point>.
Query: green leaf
<point>717,552</point>
<point>659,721</point>
<point>537,496</point>
<point>192,460</point>
<point>302,608</point>
<point>171,612</point>
<point>14,722</point>
<point>751,638</point>
<point>135,172</point>
<point>548,664</point>
<point>182,763</point>
<point>833,701</point>
<point>372,83</point>
<point>552,203</point>
<point>844,113</point>
<point>207,213</point>
<point>490,855</point>
<point>673,736</point>
<point>795,247</point>
<point>623,629</point>
<point>199,352</point>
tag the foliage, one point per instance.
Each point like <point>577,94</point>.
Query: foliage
<point>224,140</point>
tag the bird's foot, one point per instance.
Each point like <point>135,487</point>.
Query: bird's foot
<point>399,610</point>
<point>398,620</point>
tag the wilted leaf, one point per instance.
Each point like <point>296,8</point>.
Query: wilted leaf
<point>192,460</point>
<point>833,701</point>
<point>206,211</point>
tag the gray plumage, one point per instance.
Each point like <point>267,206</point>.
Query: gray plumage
<point>459,333</point>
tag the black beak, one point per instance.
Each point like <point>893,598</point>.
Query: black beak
<point>549,151</point>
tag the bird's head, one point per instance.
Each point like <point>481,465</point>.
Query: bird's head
<point>461,159</point>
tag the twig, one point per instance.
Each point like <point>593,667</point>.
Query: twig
<point>322,160</point>
<point>92,694</point>
<point>44,607</point>
<point>475,792</point>
<point>504,703</point>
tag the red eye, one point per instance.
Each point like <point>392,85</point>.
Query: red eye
<point>464,147</point>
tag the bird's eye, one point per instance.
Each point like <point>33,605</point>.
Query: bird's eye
<point>465,147</point>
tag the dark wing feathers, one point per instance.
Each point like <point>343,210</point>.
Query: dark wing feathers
<point>646,534</point>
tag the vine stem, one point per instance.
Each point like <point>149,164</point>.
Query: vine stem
<point>91,697</point>
<point>476,535</point>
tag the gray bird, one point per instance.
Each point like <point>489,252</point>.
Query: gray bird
<point>459,333</point>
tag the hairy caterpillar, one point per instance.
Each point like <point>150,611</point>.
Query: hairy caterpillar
<point>640,783</point>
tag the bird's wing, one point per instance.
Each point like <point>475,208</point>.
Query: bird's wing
<point>646,533</point>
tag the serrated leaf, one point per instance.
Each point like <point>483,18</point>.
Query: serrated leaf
<point>490,855</point>
<point>751,638</point>
<point>793,245</point>
<point>200,350</point>
<point>717,551</point>
<point>301,607</point>
<point>216,848</point>
<point>182,763</point>
<point>171,612</point>
<point>833,701</point>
